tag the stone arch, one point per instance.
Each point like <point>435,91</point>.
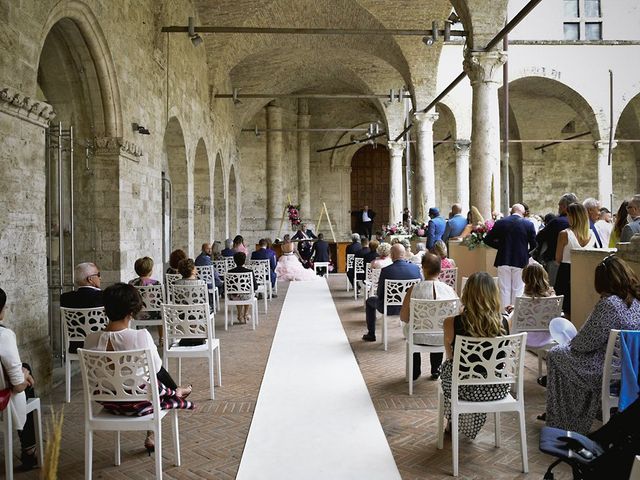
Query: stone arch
<point>233,203</point>
<point>626,156</point>
<point>178,174</point>
<point>219,206</point>
<point>201,196</point>
<point>78,26</point>
<point>540,108</point>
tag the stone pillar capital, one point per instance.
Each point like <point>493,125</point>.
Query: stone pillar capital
<point>19,105</point>
<point>484,67</point>
<point>424,120</point>
<point>604,145</point>
<point>462,146</point>
<point>396,148</point>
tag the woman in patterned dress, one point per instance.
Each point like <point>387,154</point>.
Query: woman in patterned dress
<point>575,370</point>
<point>481,318</point>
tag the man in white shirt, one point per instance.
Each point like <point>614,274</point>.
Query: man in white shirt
<point>604,226</point>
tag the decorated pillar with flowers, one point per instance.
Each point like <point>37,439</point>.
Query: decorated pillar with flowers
<point>396,149</point>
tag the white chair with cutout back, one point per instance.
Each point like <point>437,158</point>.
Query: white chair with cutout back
<point>486,361</point>
<point>7,428</point>
<point>192,295</point>
<point>263,279</point>
<point>220,266</point>
<point>611,371</point>
<point>240,285</point>
<point>152,300</point>
<point>394,292</point>
<point>77,324</point>
<point>425,323</point>
<point>170,279</point>
<point>358,269</point>
<point>205,273</point>
<point>124,376</point>
<point>319,267</point>
<point>191,322</point>
<point>374,278</point>
<point>350,257</point>
<point>450,277</point>
<point>534,315</point>
<point>231,264</point>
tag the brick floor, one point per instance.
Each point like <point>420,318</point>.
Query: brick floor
<point>213,436</point>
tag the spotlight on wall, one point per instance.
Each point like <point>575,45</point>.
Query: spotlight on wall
<point>196,39</point>
<point>140,129</point>
<point>428,41</point>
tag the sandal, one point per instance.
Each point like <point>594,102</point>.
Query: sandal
<point>28,459</point>
<point>149,444</point>
<point>184,392</point>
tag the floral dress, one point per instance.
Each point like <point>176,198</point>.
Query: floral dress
<point>575,370</point>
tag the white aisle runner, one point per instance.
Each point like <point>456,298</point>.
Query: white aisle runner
<point>314,418</point>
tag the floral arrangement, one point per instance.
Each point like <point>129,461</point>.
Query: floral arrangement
<point>294,215</point>
<point>419,229</point>
<point>479,231</point>
<point>394,229</point>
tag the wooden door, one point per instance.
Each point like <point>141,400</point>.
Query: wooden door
<point>370,183</point>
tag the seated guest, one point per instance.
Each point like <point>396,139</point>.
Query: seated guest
<point>429,289</point>
<point>400,269</point>
<point>216,254</point>
<point>122,303</point>
<point>144,269</point>
<point>440,249</point>
<point>228,250</point>
<point>481,317</point>
<point>373,251</point>
<point>420,251</point>
<point>408,254</point>
<point>575,370</point>
<point>204,260</point>
<point>243,310</point>
<point>17,377</point>
<point>238,245</point>
<point>383,260</point>
<point>353,248</point>
<point>87,294</point>
<point>320,250</point>
<point>174,259</point>
<point>264,254</point>
<point>187,268</point>
<point>364,250</point>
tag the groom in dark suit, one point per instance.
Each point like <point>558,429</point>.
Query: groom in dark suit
<point>304,248</point>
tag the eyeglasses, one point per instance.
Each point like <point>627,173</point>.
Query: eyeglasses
<point>94,275</point>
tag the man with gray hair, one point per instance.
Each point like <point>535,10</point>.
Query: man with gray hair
<point>593,211</point>
<point>547,238</point>
<point>513,237</point>
<point>633,227</point>
<point>228,250</point>
<point>354,248</point>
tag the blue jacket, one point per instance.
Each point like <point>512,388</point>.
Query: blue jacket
<point>454,227</point>
<point>204,260</point>
<point>266,254</point>
<point>513,237</point>
<point>435,230</point>
<point>398,270</point>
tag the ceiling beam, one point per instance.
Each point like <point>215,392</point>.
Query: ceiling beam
<point>318,31</point>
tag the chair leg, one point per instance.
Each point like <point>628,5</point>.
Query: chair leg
<point>523,441</point>
<point>8,443</point>
<point>219,366</point>
<point>88,453</point>
<point>158,452</point>
<point>264,296</point>
<point>254,312</point>
<point>497,428</point>
<point>116,460</point>
<point>384,332</point>
<point>38,424</point>
<point>67,379</point>
<point>176,437</point>
<point>210,362</point>
<point>409,372</point>
<point>454,442</point>
<point>440,437</point>
<point>179,371</point>
<point>226,316</point>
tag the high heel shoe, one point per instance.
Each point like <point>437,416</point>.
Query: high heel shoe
<point>149,444</point>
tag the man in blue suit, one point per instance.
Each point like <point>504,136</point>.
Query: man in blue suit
<point>400,269</point>
<point>513,237</point>
<point>263,253</point>
<point>204,260</point>
<point>436,227</point>
<point>456,223</point>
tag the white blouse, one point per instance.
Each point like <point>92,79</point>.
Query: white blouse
<point>12,371</point>
<point>127,339</point>
<point>430,290</point>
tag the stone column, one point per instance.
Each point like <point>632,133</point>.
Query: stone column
<point>605,173</point>
<point>425,168</point>
<point>304,183</point>
<point>275,188</point>
<point>462,173</point>
<point>396,149</point>
<point>483,69</point>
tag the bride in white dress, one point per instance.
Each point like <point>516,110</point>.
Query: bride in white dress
<point>289,266</point>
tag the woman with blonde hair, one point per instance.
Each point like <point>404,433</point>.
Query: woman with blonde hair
<point>577,237</point>
<point>384,249</point>
<point>480,318</point>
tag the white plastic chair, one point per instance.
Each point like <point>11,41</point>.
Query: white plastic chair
<point>170,279</point>
<point>502,361</point>
<point>240,284</point>
<point>394,292</point>
<point>152,300</point>
<point>449,276</point>
<point>350,257</point>
<point>263,279</point>
<point>220,266</point>
<point>426,318</point>
<point>191,322</point>
<point>77,324</point>
<point>6,426</point>
<point>534,315</point>
<point>318,266</point>
<point>124,376</point>
<point>231,264</point>
<point>373,278</point>
<point>358,268</point>
<point>610,372</point>
<point>205,273</point>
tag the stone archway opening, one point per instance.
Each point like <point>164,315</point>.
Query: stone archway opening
<point>201,197</point>
<point>232,206</point>
<point>177,174</point>
<point>626,155</point>
<point>219,207</point>
<point>370,183</point>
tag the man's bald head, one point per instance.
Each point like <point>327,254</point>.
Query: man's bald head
<point>518,209</point>
<point>456,209</point>
<point>397,251</point>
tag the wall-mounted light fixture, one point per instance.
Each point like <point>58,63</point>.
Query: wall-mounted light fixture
<point>196,39</point>
<point>140,129</point>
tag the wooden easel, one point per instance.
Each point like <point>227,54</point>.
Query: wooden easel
<point>324,211</point>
